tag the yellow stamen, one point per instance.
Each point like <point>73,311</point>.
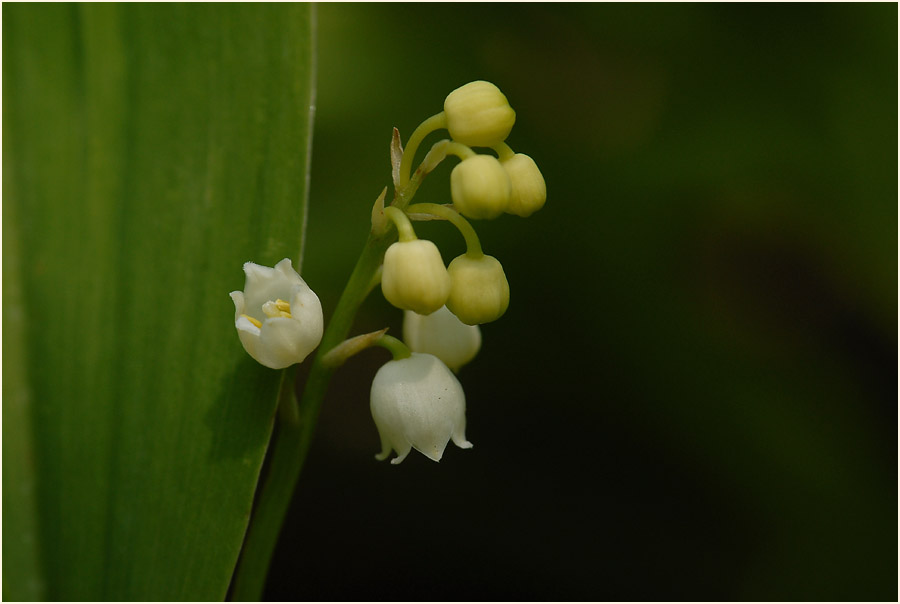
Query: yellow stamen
<point>278,308</point>
<point>270,310</point>
<point>252,320</point>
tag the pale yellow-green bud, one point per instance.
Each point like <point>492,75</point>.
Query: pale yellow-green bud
<point>414,277</point>
<point>478,114</point>
<point>479,292</point>
<point>480,187</point>
<point>528,190</point>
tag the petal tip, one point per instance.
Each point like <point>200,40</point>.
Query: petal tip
<point>238,298</point>
<point>286,267</point>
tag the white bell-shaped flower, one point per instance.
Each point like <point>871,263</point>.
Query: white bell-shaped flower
<point>442,334</point>
<point>277,316</point>
<point>418,403</point>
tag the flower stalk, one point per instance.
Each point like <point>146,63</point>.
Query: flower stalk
<point>293,433</point>
<point>416,401</point>
<point>435,122</point>
<point>338,355</point>
<point>398,349</point>
<point>473,245</point>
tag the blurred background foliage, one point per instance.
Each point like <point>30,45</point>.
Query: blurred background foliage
<point>693,393</point>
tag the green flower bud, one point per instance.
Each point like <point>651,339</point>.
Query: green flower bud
<point>414,277</point>
<point>478,114</point>
<point>480,187</point>
<point>528,190</point>
<point>479,292</point>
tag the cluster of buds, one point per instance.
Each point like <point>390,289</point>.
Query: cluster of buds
<point>482,186</point>
<point>444,306</point>
<point>416,399</point>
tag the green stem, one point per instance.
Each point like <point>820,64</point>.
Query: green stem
<point>439,152</point>
<point>375,282</point>
<point>504,151</point>
<point>288,411</point>
<point>473,245</point>
<point>250,575</point>
<point>338,355</point>
<point>459,150</point>
<point>404,226</point>
<point>433,123</point>
<point>435,156</point>
<point>293,435</point>
<point>398,349</point>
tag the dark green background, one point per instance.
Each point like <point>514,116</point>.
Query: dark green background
<point>691,397</point>
<point>693,393</point>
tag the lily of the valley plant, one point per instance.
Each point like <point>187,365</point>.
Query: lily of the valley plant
<point>416,400</point>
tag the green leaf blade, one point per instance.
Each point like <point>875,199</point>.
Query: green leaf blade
<point>155,149</point>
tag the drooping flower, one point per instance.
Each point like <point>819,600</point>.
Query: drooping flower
<point>418,403</point>
<point>277,316</point>
<point>479,291</point>
<point>478,114</point>
<point>529,191</point>
<point>442,334</point>
<point>414,276</point>
<point>480,187</point>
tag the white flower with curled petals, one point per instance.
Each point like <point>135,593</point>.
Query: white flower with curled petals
<point>277,316</point>
<point>418,403</point>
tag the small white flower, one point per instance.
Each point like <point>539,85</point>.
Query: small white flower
<point>418,403</point>
<point>442,334</point>
<point>277,316</point>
